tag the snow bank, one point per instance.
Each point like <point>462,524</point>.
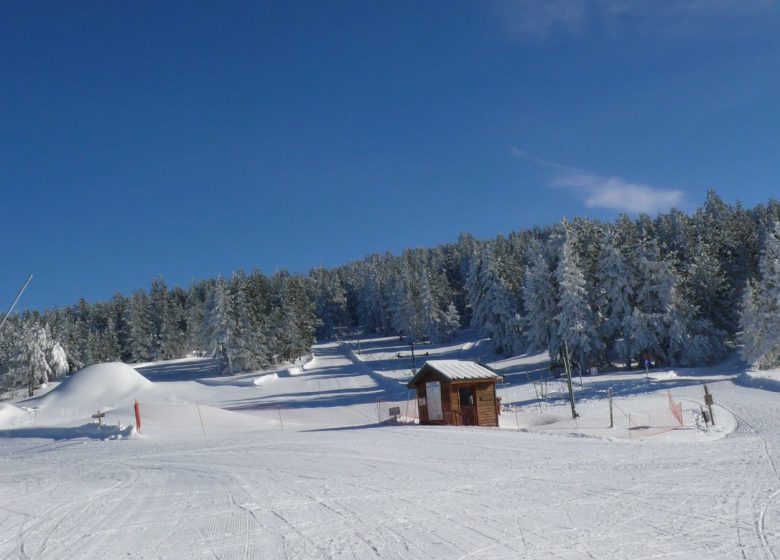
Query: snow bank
<point>10,415</point>
<point>763,375</point>
<point>95,387</point>
<point>265,379</point>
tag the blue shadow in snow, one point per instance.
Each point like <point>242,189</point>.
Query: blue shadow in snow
<point>180,371</point>
<point>85,431</point>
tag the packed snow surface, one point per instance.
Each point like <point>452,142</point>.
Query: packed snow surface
<point>10,415</point>
<point>307,464</point>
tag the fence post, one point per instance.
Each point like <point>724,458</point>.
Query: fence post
<point>708,401</point>
<point>279,410</point>
<point>137,408</point>
<point>202,426</point>
<point>611,419</point>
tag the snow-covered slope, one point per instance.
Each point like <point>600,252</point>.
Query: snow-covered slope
<point>304,465</point>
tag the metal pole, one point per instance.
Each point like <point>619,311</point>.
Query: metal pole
<point>202,427</point>
<point>10,309</point>
<point>567,363</point>
<point>611,419</point>
<point>414,371</point>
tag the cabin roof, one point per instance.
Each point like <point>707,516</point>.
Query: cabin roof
<point>456,370</point>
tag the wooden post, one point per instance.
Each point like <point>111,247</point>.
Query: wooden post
<point>567,363</point>
<point>202,427</point>
<point>611,419</point>
<point>137,417</point>
<point>99,417</point>
<point>541,396</point>
<point>709,401</point>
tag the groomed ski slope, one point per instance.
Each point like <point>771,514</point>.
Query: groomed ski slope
<point>336,484</point>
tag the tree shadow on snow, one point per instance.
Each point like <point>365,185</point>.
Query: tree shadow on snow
<point>179,371</point>
<point>85,431</point>
<point>384,424</point>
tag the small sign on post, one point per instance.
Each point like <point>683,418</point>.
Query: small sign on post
<point>709,402</point>
<point>395,412</point>
<point>99,416</point>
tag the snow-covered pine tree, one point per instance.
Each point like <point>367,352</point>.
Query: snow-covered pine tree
<point>31,360</point>
<point>474,288</point>
<point>140,328</point>
<point>372,298</point>
<point>692,339</point>
<point>57,359</point>
<point>749,336</point>
<point>576,324</point>
<point>704,284</point>
<point>405,308</point>
<point>614,300</point>
<point>761,333</point>
<point>496,310</point>
<point>653,294</point>
<point>330,301</point>
<point>539,295</point>
<point>450,323</point>
<point>216,320</point>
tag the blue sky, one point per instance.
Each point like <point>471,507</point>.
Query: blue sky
<point>189,139</point>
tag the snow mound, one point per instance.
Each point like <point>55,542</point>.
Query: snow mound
<point>265,378</point>
<point>97,386</point>
<point>10,415</point>
<point>663,376</point>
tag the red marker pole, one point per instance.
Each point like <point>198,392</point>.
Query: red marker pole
<point>137,417</point>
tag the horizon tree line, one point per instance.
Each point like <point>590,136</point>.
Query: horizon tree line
<point>676,289</point>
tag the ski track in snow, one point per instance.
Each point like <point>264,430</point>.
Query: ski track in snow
<point>394,491</point>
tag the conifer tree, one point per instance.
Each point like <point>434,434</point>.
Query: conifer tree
<point>576,326</point>
<point>614,300</point>
<point>761,309</point>
<point>540,294</point>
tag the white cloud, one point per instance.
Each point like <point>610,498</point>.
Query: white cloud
<point>615,193</point>
<point>537,19</point>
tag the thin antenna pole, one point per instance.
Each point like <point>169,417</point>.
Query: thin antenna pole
<point>10,309</point>
<point>567,363</point>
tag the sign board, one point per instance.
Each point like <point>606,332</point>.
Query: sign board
<point>395,411</point>
<point>433,392</point>
<point>708,399</point>
<point>99,416</point>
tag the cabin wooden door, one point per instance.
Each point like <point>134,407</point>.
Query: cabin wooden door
<point>467,399</point>
<point>433,396</point>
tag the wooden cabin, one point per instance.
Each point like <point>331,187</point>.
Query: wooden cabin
<point>456,393</point>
